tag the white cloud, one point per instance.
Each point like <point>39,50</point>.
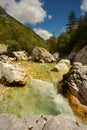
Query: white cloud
<point>84,6</point>
<point>49,16</point>
<point>26,11</point>
<point>43,33</point>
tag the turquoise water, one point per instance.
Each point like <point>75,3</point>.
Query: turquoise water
<point>37,97</point>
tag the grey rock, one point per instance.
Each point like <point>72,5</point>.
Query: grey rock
<point>40,54</point>
<point>11,122</point>
<point>63,65</point>
<point>81,56</point>
<point>3,48</point>
<point>40,122</point>
<point>37,122</point>
<point>12,74</point>
<point>64,121</point>
<point>21,55</point>
<point>75,82</point>
<point>4,58</point>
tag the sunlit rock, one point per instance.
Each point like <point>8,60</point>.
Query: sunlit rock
<point>4,58</point>
<point>74,86</point>
<point>63,65</point>
<point>21,55</point>
<point>40,54</point>
<point>12,74</point>
<point>76,82</point>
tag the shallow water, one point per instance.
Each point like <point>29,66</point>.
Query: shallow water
<point>37,97</point>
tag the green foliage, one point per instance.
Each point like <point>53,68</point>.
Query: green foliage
<point>52,41</point>
<point>63,42</point>
<point>75,37</point>
<point>72,23</point>
<point>18,36</point>
<point>12,46</point>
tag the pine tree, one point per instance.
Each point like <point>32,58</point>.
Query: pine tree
<point>72,24</point>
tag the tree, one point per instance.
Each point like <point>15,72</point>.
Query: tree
<point>52,41</point>
<point>72,24</point>
<point>63,42</point>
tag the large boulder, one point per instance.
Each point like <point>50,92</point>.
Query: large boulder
<point>37,122</point>
<point>4,58</point>
<point>12,74</point>
<point>75,82</point>
<point>21,55</point>
<point>39,54</point>
<point>3,48</point>
<point>81,56</point>
<point>63,65</point>
<point>64,121</point>
<point>11,122</point>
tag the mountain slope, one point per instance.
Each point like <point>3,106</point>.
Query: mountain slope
<point>17,35</point>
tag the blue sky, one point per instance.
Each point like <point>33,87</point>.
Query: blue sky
<point>44,16</point>
<point>59,10</point>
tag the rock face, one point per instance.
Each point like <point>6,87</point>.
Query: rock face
<point>65,122</point>
<point>3,48</point>
<point>20,55</point>
<point>63,65</point>
<point>39,54</point>
<point>11,74</point>
<point>71,56</point>
<point>82,56</point>
<point>75,82</point>
<point>11,122</point>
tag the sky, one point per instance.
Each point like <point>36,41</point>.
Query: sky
<point>45,17</point>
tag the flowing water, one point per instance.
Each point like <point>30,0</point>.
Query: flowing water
<point>37,97</point>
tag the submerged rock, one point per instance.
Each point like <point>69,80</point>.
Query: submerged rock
<point>21,55</point>
<point>40,54</point>
<point>12,74</point>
